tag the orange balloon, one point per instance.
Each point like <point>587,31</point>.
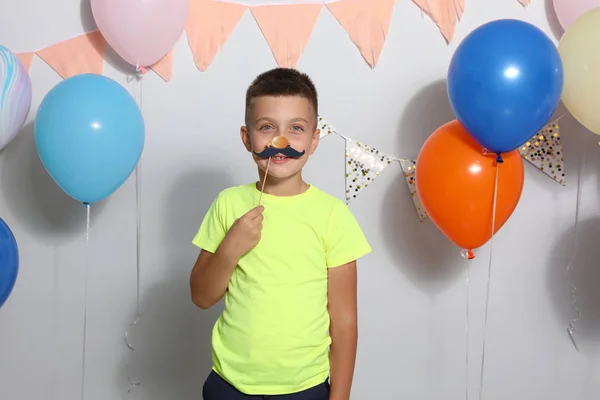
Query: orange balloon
<point>455,181</point>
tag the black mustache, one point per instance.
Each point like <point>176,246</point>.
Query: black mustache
<point>287,151</point>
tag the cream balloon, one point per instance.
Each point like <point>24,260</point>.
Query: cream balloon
<point>579,50</point>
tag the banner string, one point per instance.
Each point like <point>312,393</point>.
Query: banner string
<point>572,325</point>
<point>138,185</point>
<point>85,299</point>
<point>489,279</point>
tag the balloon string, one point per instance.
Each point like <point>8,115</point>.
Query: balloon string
<point>559,117</point>
<point>489,279</point>
<point>85,301</point>
<point>572,325</point>
<point>138,185</point>
<point>467,336</point>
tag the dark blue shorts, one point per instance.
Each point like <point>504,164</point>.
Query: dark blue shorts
<point>217,388</point>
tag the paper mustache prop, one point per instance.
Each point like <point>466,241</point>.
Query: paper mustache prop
<point>279,145</point>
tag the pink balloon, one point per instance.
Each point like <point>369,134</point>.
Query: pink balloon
<point>141,31</point>
<point>568,11</point>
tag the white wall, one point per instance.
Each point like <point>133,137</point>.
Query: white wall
<point>412,287</point>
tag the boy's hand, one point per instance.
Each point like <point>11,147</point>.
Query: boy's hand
<point>244,234</point>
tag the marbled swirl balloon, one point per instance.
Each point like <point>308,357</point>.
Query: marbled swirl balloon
<point>15,96</point>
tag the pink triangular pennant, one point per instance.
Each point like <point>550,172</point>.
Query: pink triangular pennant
<point>208,27</point>
<point>287,29</point>
<point>366,22</point>
<point>444,13</point>
<point>26,59</point>
<point>164,67</point>
<point>79,55</point>
<point>524,3</point>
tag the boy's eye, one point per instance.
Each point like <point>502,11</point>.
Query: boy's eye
<point>297,128</point>
<point>266,127</point>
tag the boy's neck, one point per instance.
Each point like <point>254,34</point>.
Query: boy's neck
<point>291,186</point>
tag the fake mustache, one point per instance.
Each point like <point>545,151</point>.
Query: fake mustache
<point>286,151</point>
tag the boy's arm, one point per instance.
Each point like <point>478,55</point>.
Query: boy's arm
<point>343,329</point>
<point>212,272</point>
<point>210,277</point>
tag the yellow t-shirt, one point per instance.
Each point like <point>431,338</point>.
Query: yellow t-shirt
<point>273,336</point>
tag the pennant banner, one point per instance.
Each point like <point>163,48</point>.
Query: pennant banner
<point>209,25</point>
<point>79,55</point>
<point>544,151</point>
<point>366,22</point>
<point>525,3</point>
<point>409,168</point>
<point>363,165</point>
<point>444,13</point>
<point>287,29</point>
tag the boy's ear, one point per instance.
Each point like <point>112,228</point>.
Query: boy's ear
<point>245,135</point>
<point>315,141</point>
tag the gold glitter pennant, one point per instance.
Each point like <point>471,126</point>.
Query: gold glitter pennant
<point>324,127</point>
<point>363,165</point>
<point>409,168</point>
<point>544,151</point>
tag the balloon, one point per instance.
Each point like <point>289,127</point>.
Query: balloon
<point>141,31</point>
<point>9,262</point>
<point>580,53</point>
<point>504,83</point>
<point>455,181</point>
<point>567,11</point>
<point>89,134</point>
<point>15,96</point>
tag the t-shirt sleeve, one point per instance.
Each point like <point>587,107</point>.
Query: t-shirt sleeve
<point>345,241</point>
<point>213,229</point>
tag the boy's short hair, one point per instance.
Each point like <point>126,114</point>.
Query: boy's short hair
<point>280,82</point>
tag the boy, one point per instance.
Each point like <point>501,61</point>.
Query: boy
<point>287,268</point>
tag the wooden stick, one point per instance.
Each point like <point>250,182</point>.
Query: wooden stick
<point>262,189</point>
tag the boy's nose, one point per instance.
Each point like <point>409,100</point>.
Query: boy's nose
<point>279,142</point>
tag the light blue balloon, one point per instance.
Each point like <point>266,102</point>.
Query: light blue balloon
<point>89,134</point>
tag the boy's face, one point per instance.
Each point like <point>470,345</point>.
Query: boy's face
<point>291,117</point>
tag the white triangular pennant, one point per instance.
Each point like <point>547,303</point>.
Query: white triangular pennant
<point>363,165</point>
<point>544,151</point>
<point>409,168</point>
<point>325,128</point>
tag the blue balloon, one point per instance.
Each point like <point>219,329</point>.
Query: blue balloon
<point>504,83</point>
<point>89,133</point>
<point>9,262</point>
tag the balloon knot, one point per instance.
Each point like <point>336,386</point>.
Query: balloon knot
<point>87,205</point>
<point>499,159</point>
<point>468,254</point>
